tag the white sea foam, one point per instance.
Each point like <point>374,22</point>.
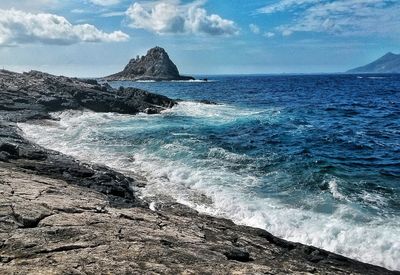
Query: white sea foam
<point>372,77</point>
<point>152,206</point>
<point>194,81</point>
<point>376,77</point>
<point>333,188</point>
<point>208,186</point>
<point>374,200</point>
<point>217,113</point>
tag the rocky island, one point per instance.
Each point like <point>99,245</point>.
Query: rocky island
<point>155,65</point>
<point>59,215</point>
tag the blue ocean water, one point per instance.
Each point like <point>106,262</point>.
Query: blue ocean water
<point>311,158</point>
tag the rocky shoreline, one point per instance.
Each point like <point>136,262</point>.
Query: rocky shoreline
<point>61,216</point>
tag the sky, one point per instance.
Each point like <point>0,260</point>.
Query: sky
<point>93,38</point>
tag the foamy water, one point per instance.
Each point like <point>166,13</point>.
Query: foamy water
<point>185,153</point>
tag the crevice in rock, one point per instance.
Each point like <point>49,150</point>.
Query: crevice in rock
<point>27,222</point>
<point>131,218</point>
<point>161,225</point>
<point>65,248</point>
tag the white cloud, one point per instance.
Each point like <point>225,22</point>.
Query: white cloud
<point>284,5</point>
<point>29,5</point>
<point>269,34</point>
<point>105,2</point>
<point>78,11</point>
<point>167,17</point>
<point>18,27</point>
<point>254,28</point>
<point>341,17</point>
<point>113,14</point>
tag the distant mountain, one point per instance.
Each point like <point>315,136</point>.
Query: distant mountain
<point>155,65</point>
<point>389,63</point>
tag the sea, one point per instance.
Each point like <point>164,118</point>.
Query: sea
<point>313,159</point>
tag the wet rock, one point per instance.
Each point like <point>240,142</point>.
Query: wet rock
<point>237,255</point>
<point>90,81</point>
<point>150,111</point>
<point>208,102</point>
<point>10,149</point>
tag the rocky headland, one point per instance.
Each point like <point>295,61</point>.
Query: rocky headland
<point>61,216</point>
<point>387,64</point>
<point>155,65</point>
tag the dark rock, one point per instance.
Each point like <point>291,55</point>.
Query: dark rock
<point>106,87</point>
<point>40,93</point>
<point>4,156</point>
<point>150,111</point>
<point>238,255</point>
<point>155,65</point>
<point>90,81</point>
<point>203,101</point>
<point>52,103</point>
<point>145,99</point>
<point>11,149</point>
<point>209,102</point>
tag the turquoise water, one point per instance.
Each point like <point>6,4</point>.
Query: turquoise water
<point>313,159</point>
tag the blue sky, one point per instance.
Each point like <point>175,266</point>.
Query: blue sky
<point>98,37</point>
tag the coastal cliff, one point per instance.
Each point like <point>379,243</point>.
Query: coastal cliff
<point>155,65</point>
<point>62,216</point>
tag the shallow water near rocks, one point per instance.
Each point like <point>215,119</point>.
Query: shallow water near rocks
<point>313,159</point>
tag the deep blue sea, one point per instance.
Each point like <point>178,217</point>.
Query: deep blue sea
<point>311,158</point>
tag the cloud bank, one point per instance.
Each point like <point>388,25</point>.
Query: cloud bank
<point>284,5</point>
<point>172,17</point>
<point>19,27</point>
<point>340,17</point>
<point>29,5</point>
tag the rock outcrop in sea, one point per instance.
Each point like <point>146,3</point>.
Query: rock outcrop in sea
<point>389,63</point>
<point>155,65</point>
<point>59,215</point>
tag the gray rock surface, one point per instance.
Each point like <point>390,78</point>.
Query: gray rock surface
<point>155,65</point>
<point>32,95</point>
<point>389,63</point>
<point>61,216</point>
